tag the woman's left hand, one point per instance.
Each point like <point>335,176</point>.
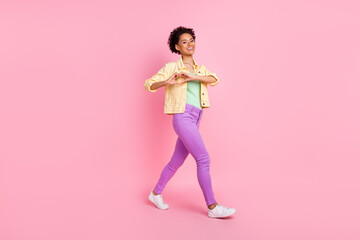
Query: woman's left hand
<point>187,77</point>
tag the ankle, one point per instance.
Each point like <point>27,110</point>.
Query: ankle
<point>212,206</point>
<point>155,193</point>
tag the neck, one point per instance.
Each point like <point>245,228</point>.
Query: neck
<point>188,59</point>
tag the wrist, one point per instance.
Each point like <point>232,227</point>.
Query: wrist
<point>165,83</point>
<point>197,78</point>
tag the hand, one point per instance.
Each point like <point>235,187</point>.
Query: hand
<point>172,80</point>
<point>187,77</point>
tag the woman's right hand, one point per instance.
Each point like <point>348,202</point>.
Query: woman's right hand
<point>172,79</point>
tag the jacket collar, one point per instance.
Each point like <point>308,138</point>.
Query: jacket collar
<point>180,64</point>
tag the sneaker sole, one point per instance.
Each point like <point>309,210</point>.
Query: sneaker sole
<point>222,216</point>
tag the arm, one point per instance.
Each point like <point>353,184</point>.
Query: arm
<point>209,78</point>
<point>157,85</point>
<point>205,79</point>
<point>213,75</point>
<point>162,78</point>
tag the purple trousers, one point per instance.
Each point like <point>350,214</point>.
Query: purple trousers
<point>186,126</point>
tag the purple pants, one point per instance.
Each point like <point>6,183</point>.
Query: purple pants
<point>186,126</point>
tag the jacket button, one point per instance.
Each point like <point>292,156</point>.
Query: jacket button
<point>203,103</point>
<point>202,93</point>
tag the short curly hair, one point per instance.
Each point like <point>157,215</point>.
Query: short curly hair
<point>175,37</point>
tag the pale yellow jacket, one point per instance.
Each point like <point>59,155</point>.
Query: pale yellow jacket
<point>175,95</point>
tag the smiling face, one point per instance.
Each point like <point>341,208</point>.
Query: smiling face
<point>186,44</point>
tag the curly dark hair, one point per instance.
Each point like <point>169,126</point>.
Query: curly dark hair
<point>175,36</point>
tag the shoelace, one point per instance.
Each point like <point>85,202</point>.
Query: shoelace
<point>224,209</point>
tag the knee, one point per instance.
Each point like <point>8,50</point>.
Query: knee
<point>175,163</point>
<point>203,161</point>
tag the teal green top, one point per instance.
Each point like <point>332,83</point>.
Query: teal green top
<point>193,93</point>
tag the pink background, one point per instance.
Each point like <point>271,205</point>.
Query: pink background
<point>82,144</point>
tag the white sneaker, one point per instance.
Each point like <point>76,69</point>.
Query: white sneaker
<point>220,211</point>
<point>158,201</point>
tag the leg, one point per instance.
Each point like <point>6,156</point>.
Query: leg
<point>178,158</point>
<point>186,126</point>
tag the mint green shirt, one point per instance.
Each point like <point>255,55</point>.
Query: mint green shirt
<point>193,93</point>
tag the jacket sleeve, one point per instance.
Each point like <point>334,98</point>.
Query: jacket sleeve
<point>161,75</point>
<point>209,73</point>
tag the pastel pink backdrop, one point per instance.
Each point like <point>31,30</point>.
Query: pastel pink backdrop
<point>82,143</point>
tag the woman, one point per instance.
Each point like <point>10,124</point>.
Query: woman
<point>186,95</point>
